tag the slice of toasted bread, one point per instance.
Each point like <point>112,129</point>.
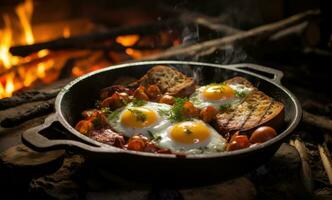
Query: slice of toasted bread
<point>256,109</point>
<point>169,80</point>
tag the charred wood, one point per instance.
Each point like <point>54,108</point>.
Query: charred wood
<point>326,160</point>
<point>306,169</point>
<point>252,36</point>
<point>81,41</point>
<point>316,120</point>
<point>27,97</point>
<point>318,108</point>
<point>37,111</point>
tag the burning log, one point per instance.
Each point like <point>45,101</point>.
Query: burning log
<point>245,38</point>
<point>37,111</point>
<point>82,40</point>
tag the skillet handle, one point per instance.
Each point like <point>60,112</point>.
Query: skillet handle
<point>277,74</point>
<point>33,139</point>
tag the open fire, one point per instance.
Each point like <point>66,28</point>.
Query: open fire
<point>46,65</point>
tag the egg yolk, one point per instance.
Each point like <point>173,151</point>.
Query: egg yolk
<point>216,92</point>
<point>138,117</point>
<point>189,132</point>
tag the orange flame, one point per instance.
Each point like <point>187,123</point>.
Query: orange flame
<point>23,77</point>
<point>127,40</point>
<point>7,89</point>
<point>24,12</point>
<point>6,58</point>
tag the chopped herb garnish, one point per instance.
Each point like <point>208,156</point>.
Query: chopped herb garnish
<point>240,94</point>
<point>105,110</point>
<point>154,137</point>
<point>177,110</point>
<point>96,122</point>
<point>163,112</point>
<point>139,115</point>
<point>150,134</point>
<point>97,103</point>
<point>224,107</point>
<point>219,89</point>
<point>138,102</point>
<point>112,115</point>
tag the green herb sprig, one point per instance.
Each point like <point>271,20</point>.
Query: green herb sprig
<point>240,94</point>
<point>138,102</point>
<point>224,107</point>
<point>139,115</point>
<point>176,113</point>
<point>113,115</point>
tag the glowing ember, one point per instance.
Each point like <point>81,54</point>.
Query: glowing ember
<point>43,53</point>
<point>66,32</point>
<point>133,53</point>
<point>127,40</point>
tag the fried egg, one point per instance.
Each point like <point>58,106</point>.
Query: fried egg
<point>219,94</point>
<point>191,137</point>
<point>145,119</point>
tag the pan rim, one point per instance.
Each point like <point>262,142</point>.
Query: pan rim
<point>110,149</point>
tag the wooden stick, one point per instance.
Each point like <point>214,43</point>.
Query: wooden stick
<point>326,160</point>
<point>317,120</point>
<point>306,170</point>
<point>212,23</point>
<point>251,36</point>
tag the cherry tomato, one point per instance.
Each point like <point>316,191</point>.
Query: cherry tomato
<point>137,143</point>
<point>190,110</point>
<point>263,134</point>
<point>168,99</point>
<point>238,142</point>
<point>208,114</point>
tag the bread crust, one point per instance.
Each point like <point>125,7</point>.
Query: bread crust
<point>169,80</point>
<point>255,110</point>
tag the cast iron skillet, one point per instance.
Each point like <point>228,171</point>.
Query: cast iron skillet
<point>82,93</point>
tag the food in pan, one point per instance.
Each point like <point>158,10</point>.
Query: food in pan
<point>167,112</point>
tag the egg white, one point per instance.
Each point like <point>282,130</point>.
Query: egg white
<point>200,101</point>
<point>161,123</point>
<point>215,142</point>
